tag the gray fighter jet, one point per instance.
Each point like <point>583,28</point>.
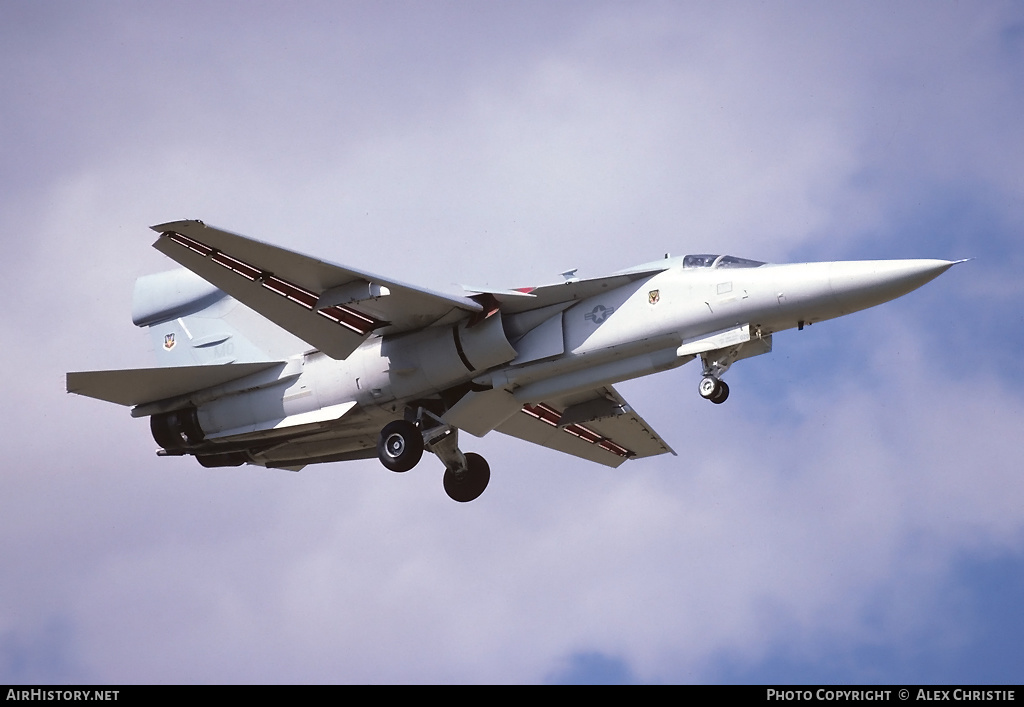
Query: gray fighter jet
<point>277,359</point>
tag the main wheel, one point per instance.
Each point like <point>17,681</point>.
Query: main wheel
<point>721,394</point>
<point>400,445</point>
<point>470,483</point>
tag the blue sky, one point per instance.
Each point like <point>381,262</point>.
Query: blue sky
<point>854,513</point>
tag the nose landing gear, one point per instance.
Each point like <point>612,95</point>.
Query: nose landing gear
<point>715,363</point>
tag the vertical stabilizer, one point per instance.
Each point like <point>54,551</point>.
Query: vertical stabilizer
<point>192,323</point>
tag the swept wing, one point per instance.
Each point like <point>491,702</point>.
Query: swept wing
<point>332,308</point>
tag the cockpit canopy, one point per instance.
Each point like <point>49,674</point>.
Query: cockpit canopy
<point>709,260</point>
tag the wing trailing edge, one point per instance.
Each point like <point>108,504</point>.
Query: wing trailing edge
<point>598,425</point>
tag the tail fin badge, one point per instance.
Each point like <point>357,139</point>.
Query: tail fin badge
<point>169,341</point>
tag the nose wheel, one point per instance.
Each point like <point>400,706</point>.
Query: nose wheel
<point>713,389</point>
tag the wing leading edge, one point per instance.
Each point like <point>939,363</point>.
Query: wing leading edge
<point>332,308</point>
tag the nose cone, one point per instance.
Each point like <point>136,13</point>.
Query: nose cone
<point>860,284</point>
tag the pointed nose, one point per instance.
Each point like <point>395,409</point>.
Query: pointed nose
<point>860,284</point>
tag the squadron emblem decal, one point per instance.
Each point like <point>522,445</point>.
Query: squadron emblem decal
<point>168,341</point>
<point>653,296</point>
<point>599,314</point>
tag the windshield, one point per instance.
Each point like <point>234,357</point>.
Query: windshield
<point>708,260</point>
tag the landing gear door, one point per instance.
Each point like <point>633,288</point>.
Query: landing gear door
<point>479,412</point>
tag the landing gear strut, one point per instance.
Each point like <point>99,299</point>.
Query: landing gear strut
<point>466,475</point>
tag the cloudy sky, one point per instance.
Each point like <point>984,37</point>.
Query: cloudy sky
<point>854,513</point>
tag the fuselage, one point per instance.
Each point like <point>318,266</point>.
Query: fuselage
<point>645,326</point>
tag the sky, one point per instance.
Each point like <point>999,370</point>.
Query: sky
<point>853,514</point>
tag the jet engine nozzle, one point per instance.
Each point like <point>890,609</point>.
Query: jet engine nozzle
<point>176,430</point>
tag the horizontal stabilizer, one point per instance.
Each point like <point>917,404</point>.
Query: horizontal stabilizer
<point>136,386</point>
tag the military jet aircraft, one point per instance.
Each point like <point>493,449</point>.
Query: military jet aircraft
<point>351,365</point>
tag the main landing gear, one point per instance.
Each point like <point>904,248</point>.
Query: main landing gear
<point>401,445</point>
